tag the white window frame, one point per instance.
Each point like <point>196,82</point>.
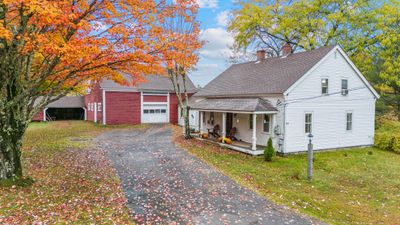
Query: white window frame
<point>269,123</point>
<point>305,122</point>
<point>347,86</point>
<point>322,86</point>
<point>347,121</point>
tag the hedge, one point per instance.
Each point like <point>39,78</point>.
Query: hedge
<point>388,141</point>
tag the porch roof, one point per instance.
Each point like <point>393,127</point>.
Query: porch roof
<point>251,105</point>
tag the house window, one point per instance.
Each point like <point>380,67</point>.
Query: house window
<point>99,107</point>
<point>250,122</point>
<point>345,87</point>
<point>267,123</point>
<point>324,86</point>
<point>308,123</point>
<point>349,121</point>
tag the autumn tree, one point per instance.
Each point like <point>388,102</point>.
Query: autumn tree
<point>367,30</point>
<point>48,48</point>
<point>182,35</point>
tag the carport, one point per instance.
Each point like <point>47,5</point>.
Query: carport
<point>66,108</point>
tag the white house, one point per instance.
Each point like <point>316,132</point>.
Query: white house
<point>286,98</point>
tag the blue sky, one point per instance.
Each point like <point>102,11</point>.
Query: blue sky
<point>213,17</point>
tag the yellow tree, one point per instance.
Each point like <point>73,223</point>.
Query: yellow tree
<point>182,43</point>
<point>48,48</point>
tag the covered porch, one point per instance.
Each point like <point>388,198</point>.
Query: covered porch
<point>247,122</point>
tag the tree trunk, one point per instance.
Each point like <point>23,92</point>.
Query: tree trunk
<point>10,149</point>
<point>186,122</point>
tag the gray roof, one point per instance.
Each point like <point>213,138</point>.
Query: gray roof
<point>68,102</point>
<point>269,76</point>
<point>153,83</point>
<point>233,104</point>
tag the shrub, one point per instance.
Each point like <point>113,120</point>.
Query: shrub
<point>388,141</point>
<point>269,151</point>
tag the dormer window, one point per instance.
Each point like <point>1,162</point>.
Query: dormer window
<point>324,86</point>
<point>345,87</point>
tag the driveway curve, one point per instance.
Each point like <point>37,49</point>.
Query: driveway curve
<point>166,185</point>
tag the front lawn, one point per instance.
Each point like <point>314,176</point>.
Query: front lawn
<point>357,186</point>
<point>74,182</point>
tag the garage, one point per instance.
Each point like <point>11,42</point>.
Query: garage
<point>155,113</point>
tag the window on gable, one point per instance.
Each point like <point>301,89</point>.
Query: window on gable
<point>349,121</point>
<point>345,87</point>
<point>250,121</point>
<point>308,123</point>
<point>267,123</point>
<point>324,86</point>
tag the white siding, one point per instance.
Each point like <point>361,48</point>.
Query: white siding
<point>329,112</point>
<point>193,119</point>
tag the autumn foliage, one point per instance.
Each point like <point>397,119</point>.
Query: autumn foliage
<point>49,48</point>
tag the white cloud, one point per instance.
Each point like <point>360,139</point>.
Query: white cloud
<point>208,3</point>
<point>218,41</point>
<point>223,18</point>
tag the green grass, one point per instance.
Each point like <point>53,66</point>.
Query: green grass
<point>357,186</point>
<point>73,180</point>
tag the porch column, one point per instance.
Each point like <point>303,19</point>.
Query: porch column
<point>254,138</point>
<point>201,122</point>
<point>223,133</point>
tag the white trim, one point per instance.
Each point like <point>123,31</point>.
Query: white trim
<point>239,112</point>
<point>85,113</point>
<point>141,107</point>
<point>254,138</point>
<point>154,103</point>
<point>337,47</point>
<point>104,107</point>
<point>168,108</point>
<point>155,93</point>
<point>95,112</point>
<point>44,114</point>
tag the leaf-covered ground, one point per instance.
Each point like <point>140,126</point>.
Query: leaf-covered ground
<point>357,186</point>
<point>74,182</point>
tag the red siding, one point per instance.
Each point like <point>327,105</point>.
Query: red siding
<point>154,98</point>
<point>38,116</point>
<point>173,108</point>
<point>122,108</point>
<point>95,96</point>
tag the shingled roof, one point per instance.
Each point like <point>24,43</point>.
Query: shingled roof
<point>233,104</point>
<point>153,83</point>
<point>268,76</point>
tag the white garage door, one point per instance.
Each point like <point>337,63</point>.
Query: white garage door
<point>154,114</point>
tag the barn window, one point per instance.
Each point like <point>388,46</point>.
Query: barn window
<point>308,123</point>
<point>349,121</point>
<point>324,86</point>
<point>266,123</point>
<point>99,107</point>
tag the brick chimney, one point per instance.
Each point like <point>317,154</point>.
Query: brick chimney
<point>286,49</point>
<point>260,55</point>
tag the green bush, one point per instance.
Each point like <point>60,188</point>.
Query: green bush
<point>388,141</point>
<point>269,151</point>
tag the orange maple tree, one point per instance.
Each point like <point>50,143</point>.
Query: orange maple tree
<point>50,47</point>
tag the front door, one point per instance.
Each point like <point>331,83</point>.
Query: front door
<point>229,122</point>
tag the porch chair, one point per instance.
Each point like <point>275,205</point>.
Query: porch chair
<point>214,131</point>
<point>232,134</point>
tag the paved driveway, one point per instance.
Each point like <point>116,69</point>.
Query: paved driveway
<point>164,184</point>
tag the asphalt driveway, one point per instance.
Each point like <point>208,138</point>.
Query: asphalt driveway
<point>164,184</point>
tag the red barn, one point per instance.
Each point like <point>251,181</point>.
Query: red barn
<point>110,103</point>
